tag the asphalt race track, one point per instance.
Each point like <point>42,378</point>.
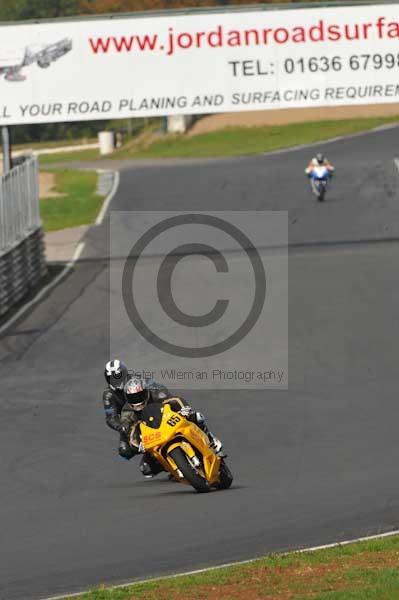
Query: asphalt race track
<point>312,465</point>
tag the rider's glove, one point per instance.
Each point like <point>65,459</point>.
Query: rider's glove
<point>186,411</point>
<point>141,448</point>
<point>125,430</point>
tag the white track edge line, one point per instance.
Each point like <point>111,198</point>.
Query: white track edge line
<point>107,201</point>
<point>235,564</point>
<point>78,251</point>
<point>396,161</point>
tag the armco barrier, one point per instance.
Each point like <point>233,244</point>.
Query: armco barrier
<point>22,258</point>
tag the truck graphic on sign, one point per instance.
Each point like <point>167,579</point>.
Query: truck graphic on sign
<point>12,62</point>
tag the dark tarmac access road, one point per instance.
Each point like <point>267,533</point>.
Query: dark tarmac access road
<point>315,464</point>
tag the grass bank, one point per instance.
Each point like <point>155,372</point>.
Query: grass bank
<point>361,571</point>
<point>54,144</point>
<point>252,140</point>
<point>61,157</point>
<point>233,141</point>
<point>75,201</point>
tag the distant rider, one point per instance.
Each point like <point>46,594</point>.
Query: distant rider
<point>319,161</point>
<point>125,400</point>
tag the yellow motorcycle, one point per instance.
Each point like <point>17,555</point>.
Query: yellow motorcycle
<point>183,450</point>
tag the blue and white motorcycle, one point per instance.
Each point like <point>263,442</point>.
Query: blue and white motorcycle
<point>319,179</point>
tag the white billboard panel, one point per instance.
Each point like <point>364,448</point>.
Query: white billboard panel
<point>198,63</point>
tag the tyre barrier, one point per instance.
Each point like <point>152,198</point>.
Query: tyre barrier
<point>21,269</point>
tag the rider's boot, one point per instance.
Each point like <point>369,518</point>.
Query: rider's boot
<point>214,442</point>
<point>149,466</point>
<point>216,445</point>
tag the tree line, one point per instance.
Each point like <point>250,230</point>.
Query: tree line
<point>15,10</point>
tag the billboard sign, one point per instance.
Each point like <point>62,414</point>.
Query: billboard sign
<point>198,63</point>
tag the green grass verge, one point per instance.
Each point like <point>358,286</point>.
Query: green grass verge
<point>251,140</point>
<point>360,571</point>
<point>60,157</point>
<point>233,141</point>
<point>53,144</point>
<point>78,206</point>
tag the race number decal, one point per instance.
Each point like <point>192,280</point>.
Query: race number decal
<point>173,420</point>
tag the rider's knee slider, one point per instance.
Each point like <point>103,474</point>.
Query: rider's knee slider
<point>125,451</point>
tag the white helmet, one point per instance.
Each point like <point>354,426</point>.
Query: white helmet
<point>116,374</point>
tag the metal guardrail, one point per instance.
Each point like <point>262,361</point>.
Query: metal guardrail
<point>19,204</point>
<point>22,259</point>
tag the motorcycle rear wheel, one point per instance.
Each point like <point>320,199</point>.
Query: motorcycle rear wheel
<point>195,480</point>
<point>225,477</point>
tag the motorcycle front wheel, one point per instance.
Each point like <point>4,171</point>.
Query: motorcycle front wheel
<point>322,191</point>
<point>190,474</point>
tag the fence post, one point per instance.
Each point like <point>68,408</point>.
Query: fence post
<point>5,138</point>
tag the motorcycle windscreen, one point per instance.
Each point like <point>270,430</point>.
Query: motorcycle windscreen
<point>151,415</point>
